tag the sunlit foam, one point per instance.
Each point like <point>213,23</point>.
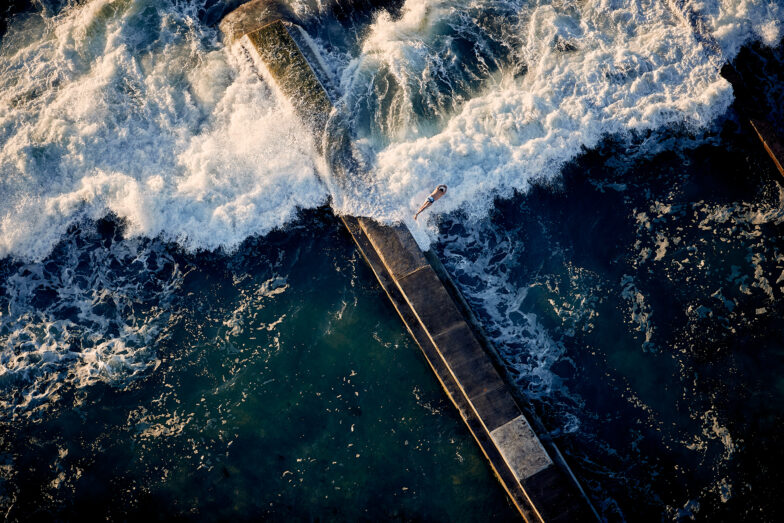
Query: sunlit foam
<point>593,70</point>
<point>131,108</point>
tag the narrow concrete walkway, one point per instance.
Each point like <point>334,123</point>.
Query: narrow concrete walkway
<point>541,487</point>
<point>771,141</point>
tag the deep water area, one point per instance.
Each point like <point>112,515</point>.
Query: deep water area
<point>638,310</point>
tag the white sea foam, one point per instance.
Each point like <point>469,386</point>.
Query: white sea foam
<point>628,68</point>
<point>733,23</point>
<point>93,316</point>
<point>131,107</point>
<point>481,261</point>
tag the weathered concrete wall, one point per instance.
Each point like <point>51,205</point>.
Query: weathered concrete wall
<point>771,141</point>
<point>543,489</point>
<point>292,73</point>
<point>773,144</point>
<point>251,16</point>
<point>540,486</point>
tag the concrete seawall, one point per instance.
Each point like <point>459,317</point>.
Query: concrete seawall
<point>534,474</point>
<point>771,141</point>
<point>541,488</point>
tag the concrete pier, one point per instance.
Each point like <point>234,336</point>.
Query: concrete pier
<point>533,473</point>
<point>541,487</point>
<point>771,141</point>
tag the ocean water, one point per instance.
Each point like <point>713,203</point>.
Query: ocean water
<point>141,381</point>
<point>638,311</point>
<point>186,332</point>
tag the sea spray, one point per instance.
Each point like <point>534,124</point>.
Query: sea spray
<point>134,108</point>
<point>590,71</point>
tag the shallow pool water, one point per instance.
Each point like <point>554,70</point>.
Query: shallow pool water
<point>279,384</point>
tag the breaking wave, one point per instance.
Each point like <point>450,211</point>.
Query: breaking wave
<point>489,97</point>
<point>134,107</point>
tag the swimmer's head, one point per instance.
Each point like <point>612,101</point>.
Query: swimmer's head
<point>442,188</point>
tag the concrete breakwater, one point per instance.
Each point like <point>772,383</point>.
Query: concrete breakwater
<point>531,471</point>
<point>538,482</point>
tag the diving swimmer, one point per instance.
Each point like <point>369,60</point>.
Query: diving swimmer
<point>435,195</point>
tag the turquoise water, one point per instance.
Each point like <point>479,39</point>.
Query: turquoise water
<point>280,384</point>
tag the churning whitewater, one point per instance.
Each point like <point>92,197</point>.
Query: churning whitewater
<point>135,108</point>
<point>132,108</point>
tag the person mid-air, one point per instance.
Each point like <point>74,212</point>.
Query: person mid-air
<point>435,195</point>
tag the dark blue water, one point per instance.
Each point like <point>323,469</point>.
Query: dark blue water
<point>276,382</point>
<point>655,290</point>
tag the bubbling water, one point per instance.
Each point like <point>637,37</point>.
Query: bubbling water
<point>89,313</point>
<point>133,108</point>
<point>564,76</point>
